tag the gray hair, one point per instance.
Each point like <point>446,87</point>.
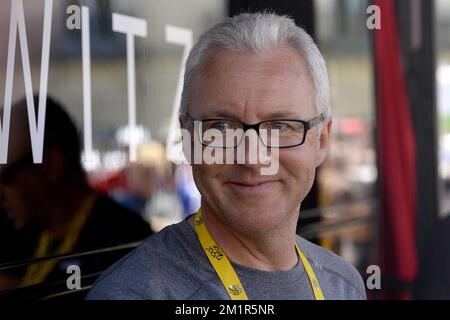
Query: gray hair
<point>258,33</point>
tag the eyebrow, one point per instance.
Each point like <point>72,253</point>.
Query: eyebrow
<point>282,115</point>
<point>268,116</point>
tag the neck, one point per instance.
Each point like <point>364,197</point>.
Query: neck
<point>63,206</point>
<point>272,250</point>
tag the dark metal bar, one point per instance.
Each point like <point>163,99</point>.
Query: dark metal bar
<point>315,230</point>
<point>22,263</point>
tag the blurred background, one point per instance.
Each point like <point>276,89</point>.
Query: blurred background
<point>377,199</point>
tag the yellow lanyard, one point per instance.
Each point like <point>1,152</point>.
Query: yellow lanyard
<point>37,272</point>
<point>225,271</point>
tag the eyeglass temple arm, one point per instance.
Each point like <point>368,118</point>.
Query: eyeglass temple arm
<point>316,120</point>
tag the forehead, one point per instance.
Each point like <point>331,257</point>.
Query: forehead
<point>253,84</point>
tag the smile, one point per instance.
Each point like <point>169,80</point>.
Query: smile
<point>252,187</point>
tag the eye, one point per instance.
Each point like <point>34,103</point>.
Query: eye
<point>220,125</point>
<point>279,125</point>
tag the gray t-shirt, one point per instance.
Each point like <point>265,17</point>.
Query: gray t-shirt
<point>172,265</point>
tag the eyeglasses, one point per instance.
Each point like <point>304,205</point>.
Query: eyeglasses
<point>7,172</point>
<point>290,133</point>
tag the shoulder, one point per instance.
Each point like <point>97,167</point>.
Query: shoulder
<point>339,276</point>
<point>130,277</point>
<point>156,269</point>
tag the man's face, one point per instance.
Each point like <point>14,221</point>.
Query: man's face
<point>251,88</point>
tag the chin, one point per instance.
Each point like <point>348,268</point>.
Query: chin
<point>254,219</point>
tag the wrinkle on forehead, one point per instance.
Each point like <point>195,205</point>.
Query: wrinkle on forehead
<point>280,78</point>
<point>219,60</point>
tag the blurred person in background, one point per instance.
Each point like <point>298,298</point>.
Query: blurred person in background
<point>165,207</point>
<point>139,184</point>
<point>148,187</point>
<point>189,195</point>
<point>55,196</point>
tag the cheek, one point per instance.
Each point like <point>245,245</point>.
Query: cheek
<point>205,176</point>
<point>210,179</point>
<point>299,168</point>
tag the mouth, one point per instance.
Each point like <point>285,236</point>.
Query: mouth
<point>252,186</point>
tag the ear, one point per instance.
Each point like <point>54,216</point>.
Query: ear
<point>324,141</point>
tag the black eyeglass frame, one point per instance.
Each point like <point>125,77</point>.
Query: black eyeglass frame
<point>307,124</point>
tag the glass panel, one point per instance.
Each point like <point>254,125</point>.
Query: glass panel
<point>93,51</point>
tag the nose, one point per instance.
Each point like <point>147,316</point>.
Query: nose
<point>251,151</point>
